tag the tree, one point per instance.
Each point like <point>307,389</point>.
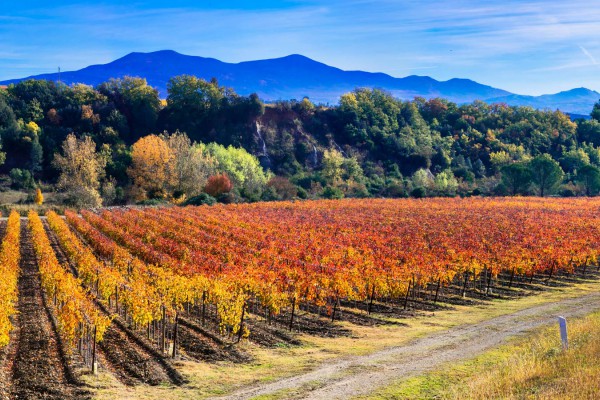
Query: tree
<point>39,197</point>
<point>241,167</point>
<point>332,166</point>
<point>573,160</point>
<point>445,183</point>
<point>596,112</point>
<point>37,156</point>
<point>191,104</point>
<point>81,170</point>
<point>151,168</point>
<point>588,176</point>
<point>190,165</point>
<point>283,188</point>
<point>218,185</point>
<point>137,101</point>
<point>516,177</point>
<point>422,179</point>
<point>546,174</point>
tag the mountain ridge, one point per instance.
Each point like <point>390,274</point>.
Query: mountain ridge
<point>297,76</point>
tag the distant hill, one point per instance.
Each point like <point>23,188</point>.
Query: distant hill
<point>296,76</point>
<point>575,101</point>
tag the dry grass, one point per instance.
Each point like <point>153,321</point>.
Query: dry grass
<point>17,200</point>
<point>530,367</point>
<point>538,368</point>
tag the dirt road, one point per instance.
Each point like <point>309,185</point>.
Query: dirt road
<point>360,375</point>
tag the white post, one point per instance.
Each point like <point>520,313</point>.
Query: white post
<point>562,324</point>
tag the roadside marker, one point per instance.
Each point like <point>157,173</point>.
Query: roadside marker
<point>562,324</point>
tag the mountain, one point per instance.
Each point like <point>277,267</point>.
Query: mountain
<point>575,101</point>
<point>296,76</point>
<point>289,77</point>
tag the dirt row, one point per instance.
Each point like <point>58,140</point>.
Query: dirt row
<point>122,352</point>
<point>36,363</point>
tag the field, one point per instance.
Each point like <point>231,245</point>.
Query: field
<point>200,301</point>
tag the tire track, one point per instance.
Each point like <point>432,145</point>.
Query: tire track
<point>361,375</point>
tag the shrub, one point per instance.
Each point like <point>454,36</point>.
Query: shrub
<point>418,192</point>
<point>201,199</point>
<point>331,192</point>
<point>218,185</point>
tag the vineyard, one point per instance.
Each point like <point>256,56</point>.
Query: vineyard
<point>130,290</point>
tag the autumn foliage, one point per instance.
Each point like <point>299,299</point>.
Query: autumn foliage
<point>39,197</point>
<point>283,255</point>
<point>9,274</point>
<point>72,305</point>
<point>218,185</point>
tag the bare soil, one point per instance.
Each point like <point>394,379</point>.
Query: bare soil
<point>122,351</point>
<point>38,364</point>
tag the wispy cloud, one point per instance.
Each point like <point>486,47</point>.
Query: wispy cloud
<point>521,45</point>
<point>589,55</point>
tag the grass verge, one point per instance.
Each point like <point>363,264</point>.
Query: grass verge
<point>528,367</point>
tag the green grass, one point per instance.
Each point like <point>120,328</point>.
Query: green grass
<point>530,366</point>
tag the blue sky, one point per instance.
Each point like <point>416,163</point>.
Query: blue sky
<point>528,47</point>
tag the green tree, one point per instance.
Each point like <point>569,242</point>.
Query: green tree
<point>241,167</point>
<point>445,183</point>
<point>37,156</point>
<point>332,166</point>
<point>573,160</point>
<point>517,178</point>
<point>596,112</point>
<point>137,101</point>
<point>588,177</point>
<point>190,166</point>
<point>546,174</point>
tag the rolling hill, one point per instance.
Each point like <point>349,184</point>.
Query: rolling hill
<point>297,76</point>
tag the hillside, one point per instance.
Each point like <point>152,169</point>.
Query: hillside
<point>296,76</point>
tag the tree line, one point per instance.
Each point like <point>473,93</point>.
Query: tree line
<point>123,143</point>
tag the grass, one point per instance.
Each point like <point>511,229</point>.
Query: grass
<point>17,200</point>
<point>211,379</point>
<point>531,366</point>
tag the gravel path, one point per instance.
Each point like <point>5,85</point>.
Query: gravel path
<point>361,375</point>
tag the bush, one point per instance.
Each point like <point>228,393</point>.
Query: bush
<point>228,198</point>
<point>284,189</point>
<point>218,185</point>
<point>331,192</point>
<point>418,192</point>
<point>152,202</point>
<point>201,199</point>
<point>303,194</point>
<point>82,197</point>
<point>21,179</point>
<point>567,192</point>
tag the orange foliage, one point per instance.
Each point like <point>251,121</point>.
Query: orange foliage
<point>218,185</point>
<point>9,275</point>
<point>320,252</point>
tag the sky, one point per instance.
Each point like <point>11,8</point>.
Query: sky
<point>526,47</point>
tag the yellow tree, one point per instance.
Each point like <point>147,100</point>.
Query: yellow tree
<point>151,168</point>
<point>39,197</point>
<point>81,169</point>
